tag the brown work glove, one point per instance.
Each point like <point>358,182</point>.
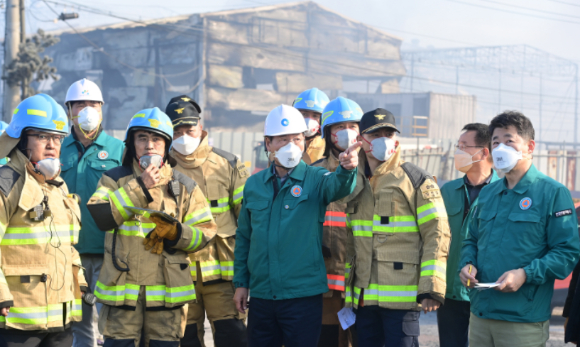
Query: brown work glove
<point>164,230</point>
<point>155,242</point>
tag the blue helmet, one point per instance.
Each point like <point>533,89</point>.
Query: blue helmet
<point>154,120</point>
<point>40,112</point>
<point>340,110</point>
<point>312,100</point>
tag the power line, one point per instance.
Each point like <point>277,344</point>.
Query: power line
<point>285,54</point>
<point>514,12</point>
<point>530,9</point>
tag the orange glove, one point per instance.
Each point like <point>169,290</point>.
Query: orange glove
<point>164,230</point>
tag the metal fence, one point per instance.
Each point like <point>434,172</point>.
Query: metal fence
<point>435,156</point>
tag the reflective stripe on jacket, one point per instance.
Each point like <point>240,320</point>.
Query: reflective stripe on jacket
<point>40,270</point>
<point>221,177</point>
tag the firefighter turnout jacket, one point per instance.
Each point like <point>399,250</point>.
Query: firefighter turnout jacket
<point>221,178</point>
<point>401,238</point>
<point>315,150</point>
<point>337,237</point>
<point>40,270</point>
<point>165,277</point>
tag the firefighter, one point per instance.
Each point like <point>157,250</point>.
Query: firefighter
<point>279,236</point>
<point>41,279</point>
<point>144,283</point>
<point>310,103</point>
<point>221,177</point>
<point>339,133</point>
<point>86,153</point>
<point>401,239</point>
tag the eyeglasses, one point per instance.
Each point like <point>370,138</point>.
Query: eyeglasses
<point>43,138</point>
<point>464,147</point>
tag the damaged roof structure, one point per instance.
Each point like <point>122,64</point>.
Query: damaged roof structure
<point>237,64</point>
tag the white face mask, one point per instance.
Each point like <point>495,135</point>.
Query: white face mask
<point>49,167</point>
<point>312,126</point>
<point>464,161</point>
<point>186,144</point>
<point>147,160</point>
<point>505,158</point>
<point>345,138</point>
<point>382,148</point>
<point>89,119</point>
<point>289,156</point>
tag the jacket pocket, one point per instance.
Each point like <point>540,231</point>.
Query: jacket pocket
<point>531,227</point>
<point>103,165</point>
<point>293,202</point>
<point>27,286</point>
<point>179,285</point>
<point>217,195</point>
<point>453,210</point>
<point>65,166</point>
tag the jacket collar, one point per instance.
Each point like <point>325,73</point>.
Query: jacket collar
<point>524,184</point>
<point>32,194</point>
<point>195,159</point>
<point>297,174</point>
<point>100,141</point>
<point>460,182</point>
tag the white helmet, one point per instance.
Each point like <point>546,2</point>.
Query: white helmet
<point>84,90</point>
<point>284,120</point>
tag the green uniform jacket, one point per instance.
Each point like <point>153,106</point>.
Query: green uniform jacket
<point>82,175</point>
<point>278,241</point>
<point>532,226</point>
<point>454,193</point>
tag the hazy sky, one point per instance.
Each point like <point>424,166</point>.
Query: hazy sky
<point>437,23</point>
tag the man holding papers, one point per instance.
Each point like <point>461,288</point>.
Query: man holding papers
<point>523,236</point>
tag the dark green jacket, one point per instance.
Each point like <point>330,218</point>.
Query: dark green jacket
<point>278,240</point>
<point>82,175</point>
<point>532,226</point>
<point>454,193</point>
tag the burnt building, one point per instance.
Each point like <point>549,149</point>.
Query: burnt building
<point>238,64</point>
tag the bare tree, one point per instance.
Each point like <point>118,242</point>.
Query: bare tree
<point>29,66</point>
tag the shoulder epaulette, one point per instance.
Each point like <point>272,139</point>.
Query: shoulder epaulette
<point>186,181</point>
<point>119,172</point>
<point>416,174</point>
<point>8,178</point>
<point>232,159</point>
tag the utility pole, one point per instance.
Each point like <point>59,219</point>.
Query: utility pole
<point>22,22</point>
<point>11,41</point>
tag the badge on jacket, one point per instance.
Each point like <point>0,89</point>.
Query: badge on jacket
<point>525,203</point>
<point>103,155</point>
<point>296,191</point>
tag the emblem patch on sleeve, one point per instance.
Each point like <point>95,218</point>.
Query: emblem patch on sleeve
<point>430,191</point>
<point>243,171</point>
<point>563,213</point>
